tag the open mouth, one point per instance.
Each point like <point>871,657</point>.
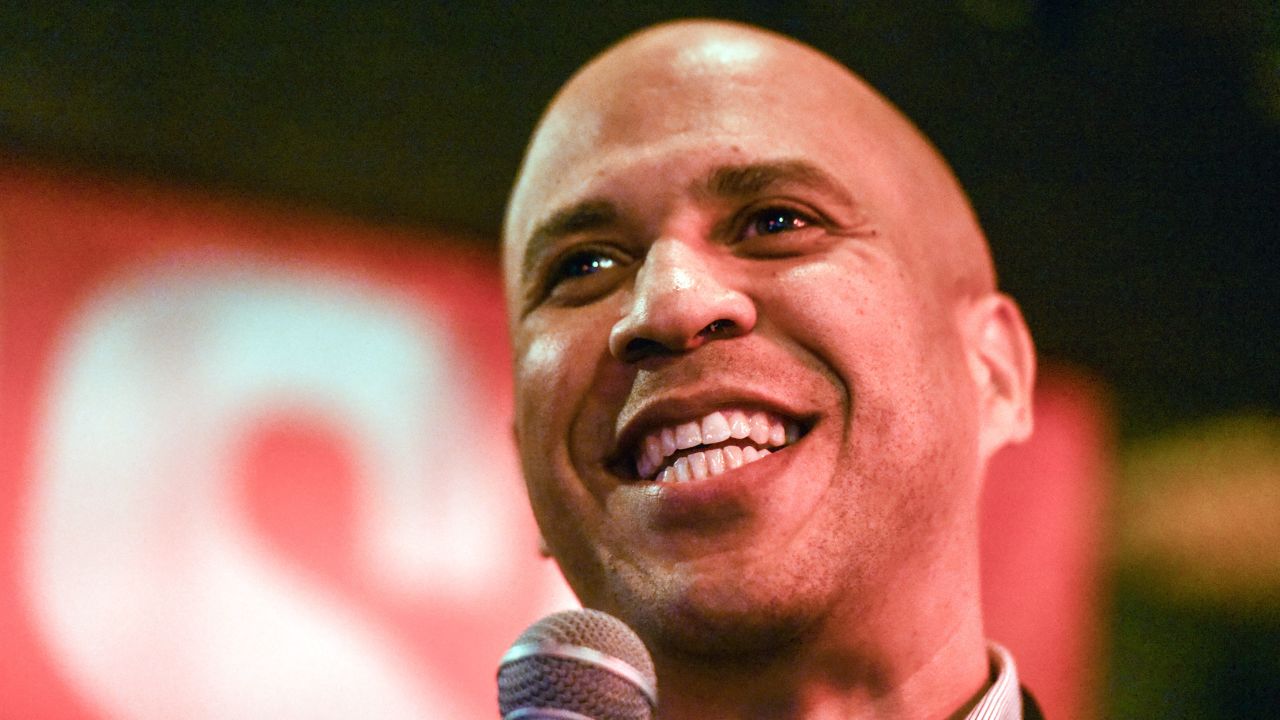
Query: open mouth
<point>711,445</point>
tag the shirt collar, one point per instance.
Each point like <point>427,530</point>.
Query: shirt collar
<point>1003,700</point>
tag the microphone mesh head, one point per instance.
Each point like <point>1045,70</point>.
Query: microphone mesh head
<point>551,682</point>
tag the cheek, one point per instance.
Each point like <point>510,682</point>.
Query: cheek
<point>538,357</point>
<point>537,362</point>
<point>540,425</point>
<point>553,386</point>
<point>555,350</point>
<point>566,387</point>
<point>540,376</point>
<point>896,355</point>
<point>854,312</point>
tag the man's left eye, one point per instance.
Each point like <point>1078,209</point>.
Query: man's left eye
<point>776,220</point>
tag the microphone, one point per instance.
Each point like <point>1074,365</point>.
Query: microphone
<point>577,665</point>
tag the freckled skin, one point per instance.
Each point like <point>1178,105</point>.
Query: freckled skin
<point>842,580</point>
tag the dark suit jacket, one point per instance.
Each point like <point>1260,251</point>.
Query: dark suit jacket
<point>1030,708</point>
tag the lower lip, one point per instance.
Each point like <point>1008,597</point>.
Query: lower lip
<point>719,498</point>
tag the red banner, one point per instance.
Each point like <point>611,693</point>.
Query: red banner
<point>255,465</point>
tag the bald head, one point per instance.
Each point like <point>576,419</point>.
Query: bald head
<point>694,80</point>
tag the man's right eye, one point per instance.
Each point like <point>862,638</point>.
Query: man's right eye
<point>582,275</point>
<point>581,264</point>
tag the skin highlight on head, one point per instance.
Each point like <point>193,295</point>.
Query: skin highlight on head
<point>712,219</point>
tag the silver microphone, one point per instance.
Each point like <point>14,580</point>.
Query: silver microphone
<point>577,665</point>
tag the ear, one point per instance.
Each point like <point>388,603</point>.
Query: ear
<point>1002,360</point>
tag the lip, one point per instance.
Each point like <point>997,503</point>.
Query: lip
<point>721,501</point>
<point>669,409</point>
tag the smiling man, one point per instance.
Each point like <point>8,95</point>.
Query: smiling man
<point>760,365</point>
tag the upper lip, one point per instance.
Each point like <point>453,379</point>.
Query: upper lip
<point>672,408</point>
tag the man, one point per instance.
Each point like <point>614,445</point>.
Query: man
<point>760,365</point>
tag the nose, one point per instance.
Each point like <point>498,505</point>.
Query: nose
<point>679,302</point>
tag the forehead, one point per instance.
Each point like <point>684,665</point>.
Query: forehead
<point>657,119</point>
<point>734,108</point>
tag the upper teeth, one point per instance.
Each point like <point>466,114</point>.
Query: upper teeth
<point>761,428</point>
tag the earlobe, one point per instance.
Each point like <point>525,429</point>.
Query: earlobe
<point>1003,362</point>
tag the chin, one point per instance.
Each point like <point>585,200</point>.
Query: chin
<point>738,620</point>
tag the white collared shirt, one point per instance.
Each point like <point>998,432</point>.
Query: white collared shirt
<point>1003,700</point>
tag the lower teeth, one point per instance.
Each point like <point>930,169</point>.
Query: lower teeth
<point>709,463</point>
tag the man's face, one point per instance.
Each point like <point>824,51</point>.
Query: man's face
<point>717,252</point>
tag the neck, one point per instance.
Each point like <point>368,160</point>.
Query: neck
<point>924,660</point>
<point>817,683</point>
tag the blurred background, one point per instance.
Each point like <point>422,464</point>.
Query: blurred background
<point>253,363</point>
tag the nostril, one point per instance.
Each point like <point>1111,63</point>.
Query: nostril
<point>716,326</point>
<point>641,348</point>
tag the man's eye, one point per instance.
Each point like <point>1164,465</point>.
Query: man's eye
<point>581,264</point>
<point>582,275</point>
<point>772,221</point>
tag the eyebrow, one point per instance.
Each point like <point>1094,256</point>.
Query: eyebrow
<point>738,181</point>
